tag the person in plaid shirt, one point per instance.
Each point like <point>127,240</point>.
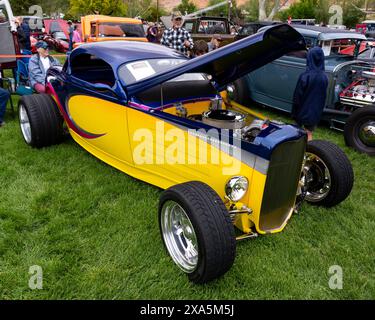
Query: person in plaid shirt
<point>177,37</point>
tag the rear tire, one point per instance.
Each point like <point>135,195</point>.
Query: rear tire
<point>205,223</point>
<point>328,174</point>
<point>40,120</point>
<point>359,131</point>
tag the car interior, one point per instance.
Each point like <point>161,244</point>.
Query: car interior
<point>88,68</point>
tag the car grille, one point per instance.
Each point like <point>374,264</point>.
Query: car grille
<point>281,185</point>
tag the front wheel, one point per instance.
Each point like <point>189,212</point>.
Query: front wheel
<point>197,231</point>
<point>328,174</point>
<point>359,131</point>
<point>239,91</point>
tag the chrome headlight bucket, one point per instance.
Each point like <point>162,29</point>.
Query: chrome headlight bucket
<point>236,188</point>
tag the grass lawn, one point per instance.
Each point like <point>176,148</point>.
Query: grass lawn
<point>94,231</point>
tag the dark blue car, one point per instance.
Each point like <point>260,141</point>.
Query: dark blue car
<point>351,89</point>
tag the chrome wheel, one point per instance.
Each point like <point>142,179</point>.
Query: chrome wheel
<point>179,236</point>
<point>25,124</point>
<point>367,133</point>
<point>317,178</point>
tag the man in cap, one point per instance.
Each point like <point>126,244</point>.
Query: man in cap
<point>38,66</point>
<point>177,37</point>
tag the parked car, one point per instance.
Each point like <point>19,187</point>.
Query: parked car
<point>57,34</point>
<point>203,28</point>
<point>57,42</point>
<point>350,97</point>
<point>252,27</point>
<point>105,28</point>
<point>304,22</point>
<point>152,113</point>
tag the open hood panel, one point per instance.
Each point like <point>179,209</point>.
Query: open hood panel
<point>233,61</point>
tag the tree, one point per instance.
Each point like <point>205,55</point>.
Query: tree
<point>48,7</point>
<point>322,14</point>
<point>319,10</point>
<point>21,8</point>
<point>151,14</point>
<point>105,7</point>
<point>273,7</point>
<point>186,7</point>
<point>352,14</point>
<point>251,8</point>
<point>304,9</point>
<point>138,8</point>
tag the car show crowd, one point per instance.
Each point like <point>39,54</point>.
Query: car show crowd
<point>309,93</point>
<point>176,38</point>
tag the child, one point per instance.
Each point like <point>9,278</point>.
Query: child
<point>310,93</point>
<point>200,48</point>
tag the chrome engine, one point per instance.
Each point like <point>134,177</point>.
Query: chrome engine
<point>361,91</point>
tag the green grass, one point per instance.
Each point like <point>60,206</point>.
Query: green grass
<point>94,231</point>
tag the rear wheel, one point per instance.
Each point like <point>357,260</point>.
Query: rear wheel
<point>197,231</point>
<point>359,130</point>
<point>40,121</point>
<point>328,174</point>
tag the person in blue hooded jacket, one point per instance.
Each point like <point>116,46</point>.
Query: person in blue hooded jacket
<point>310,93</point>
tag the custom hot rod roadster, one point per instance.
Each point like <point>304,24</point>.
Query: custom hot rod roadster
<point>152,113</point>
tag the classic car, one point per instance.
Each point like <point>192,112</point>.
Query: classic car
<point>252,27</point>
<point>350,96</point>
<point>105,28</point>
<point>57,34</point>
<point>204,27</point>
<point>152,113</point>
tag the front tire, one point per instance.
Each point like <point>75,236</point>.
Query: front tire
<point>197,231</point>
<point>328,174</point>
<point>359,131</point>
<point>241,92</point>
<point>40,121</point>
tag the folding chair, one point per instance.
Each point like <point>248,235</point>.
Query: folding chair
<point>20,85</point>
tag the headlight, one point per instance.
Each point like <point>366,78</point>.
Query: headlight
<point>236,188</point>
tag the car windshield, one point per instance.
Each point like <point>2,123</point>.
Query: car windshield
<point>342,47</point>
<point>118,29</point>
